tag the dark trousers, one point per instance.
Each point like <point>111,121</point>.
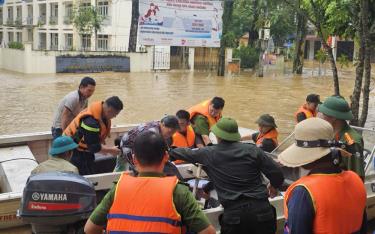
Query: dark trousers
<point>56,132</point>
<point>84,161</point>
<point>255,217</point>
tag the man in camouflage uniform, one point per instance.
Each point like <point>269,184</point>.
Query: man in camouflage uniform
<point>336,111</point>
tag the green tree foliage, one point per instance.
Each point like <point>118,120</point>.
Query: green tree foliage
<point>87,20</point>
<point>248,56</point>
<point>15,45</point>
<point>249,16</point>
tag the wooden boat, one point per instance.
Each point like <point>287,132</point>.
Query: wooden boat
<point>20,153</point>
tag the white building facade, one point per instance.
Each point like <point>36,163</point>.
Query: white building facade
<point>47,24</point>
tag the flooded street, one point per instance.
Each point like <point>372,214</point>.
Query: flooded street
<point>28,102</point>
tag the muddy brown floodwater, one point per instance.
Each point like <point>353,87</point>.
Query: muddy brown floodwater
<point>28,102</point>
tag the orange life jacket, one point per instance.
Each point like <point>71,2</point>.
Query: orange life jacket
<point>308,113</point>
<point>272,134</point>
<point>94,110</point>
<point>180,140</point>
<point>144,205</point>
<point>339,201</point>
<point>202,108</point>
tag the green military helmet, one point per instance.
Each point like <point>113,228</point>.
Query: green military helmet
<point>337,107</point>
<point>227,129</point>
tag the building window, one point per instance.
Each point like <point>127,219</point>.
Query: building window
<point>19,37</point>
<point>85,5</point>
<point>54,41</point>
<point>42,41</point>
<point>54,14</point>
<point>1,15</point>
<point>10,37</point>
<point>10,13</point>
<point>102,42</point>
<point>103,8</point>
<point>1,38</point>
<point>30,35</point>
<point>19,12</point>
<point>69,41</point>
<point>86,42</point>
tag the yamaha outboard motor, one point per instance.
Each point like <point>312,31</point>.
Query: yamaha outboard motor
<point>55,202</point>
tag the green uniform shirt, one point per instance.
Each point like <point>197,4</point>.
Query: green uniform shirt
<point>191,214</point>
<point>55,164</point>
<point>356,161</point>
<point>201,125</point>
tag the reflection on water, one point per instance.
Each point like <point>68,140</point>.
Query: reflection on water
<point>27,102</point>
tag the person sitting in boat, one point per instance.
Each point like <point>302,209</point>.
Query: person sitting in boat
<point>166,127</point>
<point>328,199</point>
<point>155,203</point>
<point>336,111</point>
<point>61,152</point>
<point>236,171</point>
<point>90,129</point>
<point>185,136</point>
<point>204,115</point>
<point>309,109</point>
<point>70,106</point>
<point>266,138</point>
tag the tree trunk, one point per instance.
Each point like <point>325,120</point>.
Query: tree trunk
<point>356,95</point>
<point>253,32</point>
<point>300,43</point>
<point>367,63</point>
<point>134,27</point>
<point>331,59</point>
<point>227,18</point>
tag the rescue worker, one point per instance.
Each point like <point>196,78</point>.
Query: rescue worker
<point>90,129</point>
<point>166,127</point>
<point>70,106</point>
<point>328,199</point>
<point>309,109</point>
<point>266,138</point>
<point>61,152</point>
<point>184,136</point>
<point>236,169</point>
<point>336,111</point>
<point>150,202</point>
<point>204,115</point>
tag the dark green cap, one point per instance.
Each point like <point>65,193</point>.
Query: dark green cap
<point>226,129</point>
<point>266,120</point>
<point>337,107</point>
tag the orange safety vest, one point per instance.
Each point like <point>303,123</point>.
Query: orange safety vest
<point>180,140</point>
<point>273,134</point>
<point>144,205</point>
<point>306,111</point>
<point>202,108</point>
<point>339,201</point>
<point>94,110</point>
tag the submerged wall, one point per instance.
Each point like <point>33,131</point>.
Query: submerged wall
<point>29,61</point>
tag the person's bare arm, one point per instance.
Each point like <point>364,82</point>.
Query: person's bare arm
<point>209,230</point>
<point>66,118</point>
<point>92,228</point>
<point>113,150</point>
<point>247,138</point>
